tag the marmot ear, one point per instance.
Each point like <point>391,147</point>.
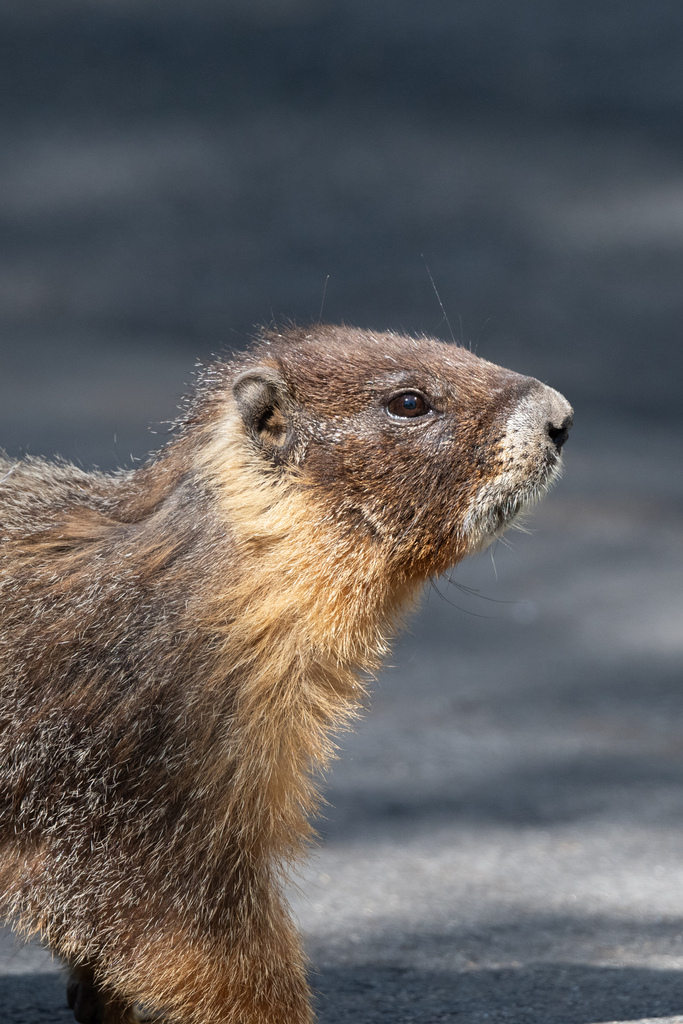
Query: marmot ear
<point>263,401</point>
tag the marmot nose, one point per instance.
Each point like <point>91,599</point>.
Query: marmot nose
<point>559,434</point>
<point>552,414</point>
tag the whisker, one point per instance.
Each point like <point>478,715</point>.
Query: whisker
<point>445,315</point>
<point>466,611</point>
<point>322,301</point>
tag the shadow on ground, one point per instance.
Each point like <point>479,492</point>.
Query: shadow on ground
<point>34,998</point>
<point>558,993</point>
<point>602,744</point>
<point>545,792</point>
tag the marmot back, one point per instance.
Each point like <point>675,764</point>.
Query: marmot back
<point>179,641</point>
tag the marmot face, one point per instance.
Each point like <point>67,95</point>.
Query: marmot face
<point>420,446</point>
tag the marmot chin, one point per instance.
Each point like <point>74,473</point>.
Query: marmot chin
<point>179,640</point>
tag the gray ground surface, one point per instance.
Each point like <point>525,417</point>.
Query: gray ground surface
<point>504,840</point>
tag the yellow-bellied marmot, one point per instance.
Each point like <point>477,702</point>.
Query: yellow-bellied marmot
<point>178,641</point>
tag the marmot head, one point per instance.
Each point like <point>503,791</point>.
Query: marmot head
<point>417,446</point>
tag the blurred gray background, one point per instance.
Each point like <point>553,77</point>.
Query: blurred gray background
<point>504,840</point>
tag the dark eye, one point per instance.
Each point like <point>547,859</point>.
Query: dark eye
<point>408,404</point>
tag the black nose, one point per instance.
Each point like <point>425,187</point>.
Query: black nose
<point>558,435</point>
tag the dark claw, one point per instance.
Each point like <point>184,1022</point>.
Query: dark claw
<point>83,998</point>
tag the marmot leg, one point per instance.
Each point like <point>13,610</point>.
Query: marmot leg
<point>252,983</point>
<point>258,981</point>
<point>91,1005</point>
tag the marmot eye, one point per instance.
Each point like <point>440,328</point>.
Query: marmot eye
<point>408,404</point>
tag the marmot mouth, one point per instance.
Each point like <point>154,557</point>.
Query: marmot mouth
<point>501,503</point>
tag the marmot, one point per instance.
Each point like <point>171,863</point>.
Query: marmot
<point>179,640</point>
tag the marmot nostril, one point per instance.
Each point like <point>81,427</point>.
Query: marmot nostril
<point>558,435</point>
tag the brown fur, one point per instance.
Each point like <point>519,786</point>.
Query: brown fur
<point>179,641</point>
